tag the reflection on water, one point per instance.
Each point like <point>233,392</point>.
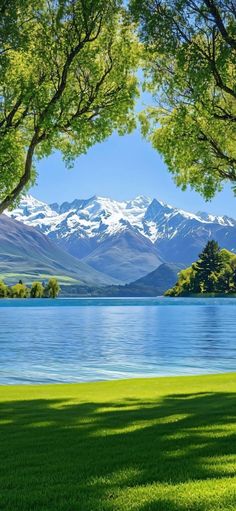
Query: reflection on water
<point>85,340</point>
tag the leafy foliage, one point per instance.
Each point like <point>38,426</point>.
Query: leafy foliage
<point>18,291</point>
<point>214,272</point>
<point>3,290</point>
<point>37,290</point>
<point>67,80</point>
<point>52,289</point>
<point>190,66</point>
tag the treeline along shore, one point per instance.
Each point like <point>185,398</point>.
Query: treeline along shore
<point>50,289</point>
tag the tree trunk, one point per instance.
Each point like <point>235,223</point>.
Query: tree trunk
<point>11,197</point>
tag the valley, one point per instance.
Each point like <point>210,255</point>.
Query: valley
<point>100,246</point>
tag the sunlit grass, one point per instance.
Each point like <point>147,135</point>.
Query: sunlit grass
<point>166,444</point>
<point>28,278</point>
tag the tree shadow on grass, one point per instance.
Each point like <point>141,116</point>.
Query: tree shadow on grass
<point>62,456</point>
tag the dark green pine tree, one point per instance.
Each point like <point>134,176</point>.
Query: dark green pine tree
<point>208,266</point>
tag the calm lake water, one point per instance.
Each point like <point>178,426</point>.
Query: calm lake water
<point>72,340</point>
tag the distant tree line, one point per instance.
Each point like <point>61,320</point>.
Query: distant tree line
<point>37,290</point>
<point>213,272</point>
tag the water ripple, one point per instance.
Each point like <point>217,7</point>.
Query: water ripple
<point>96,339</point>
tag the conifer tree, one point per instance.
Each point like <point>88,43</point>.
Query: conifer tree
<point>208,265</point>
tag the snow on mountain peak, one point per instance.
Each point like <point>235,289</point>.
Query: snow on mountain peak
<point>102,216</point>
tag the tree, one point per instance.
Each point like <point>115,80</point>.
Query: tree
<point>190,68</point>
<point>52,289</point>
<point>213,272</point>
<point>233,279</point>
<point>19,291</point>
<point>187,284</point>
<point>67,80</point>
<point>224,283</point>
<point>37,290</point>
<point>208,266</point>
<point>3,290</point>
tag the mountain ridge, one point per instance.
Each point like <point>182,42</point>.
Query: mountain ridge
<point>27,253</point>
<point>153,284</point>
<point>126,239</point>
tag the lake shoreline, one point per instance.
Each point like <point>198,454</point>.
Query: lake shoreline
<point>127,381</point>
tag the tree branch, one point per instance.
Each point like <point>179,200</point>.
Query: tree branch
<point>37,137</point>
<point>210,59</point>
<point>11,197</point>
<point>219,153</point>
<point>210,4</point>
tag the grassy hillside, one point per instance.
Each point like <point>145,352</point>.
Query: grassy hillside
<point>164,444</point>
<point>26,253</point>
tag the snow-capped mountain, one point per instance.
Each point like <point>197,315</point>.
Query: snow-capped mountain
<point>126,239</point>
<point>86,218</point>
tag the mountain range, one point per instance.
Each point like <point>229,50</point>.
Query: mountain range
<point>125,240</point>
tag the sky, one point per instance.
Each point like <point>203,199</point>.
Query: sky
<point>122,168</point>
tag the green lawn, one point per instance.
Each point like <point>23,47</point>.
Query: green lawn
<point>166,444</point>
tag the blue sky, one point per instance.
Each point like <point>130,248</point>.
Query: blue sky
<point>121,168</point>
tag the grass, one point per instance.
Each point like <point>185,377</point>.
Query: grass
<point>28,278</point>
<point>166,444</point>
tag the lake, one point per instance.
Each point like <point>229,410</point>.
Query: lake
<point>74,340</point>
